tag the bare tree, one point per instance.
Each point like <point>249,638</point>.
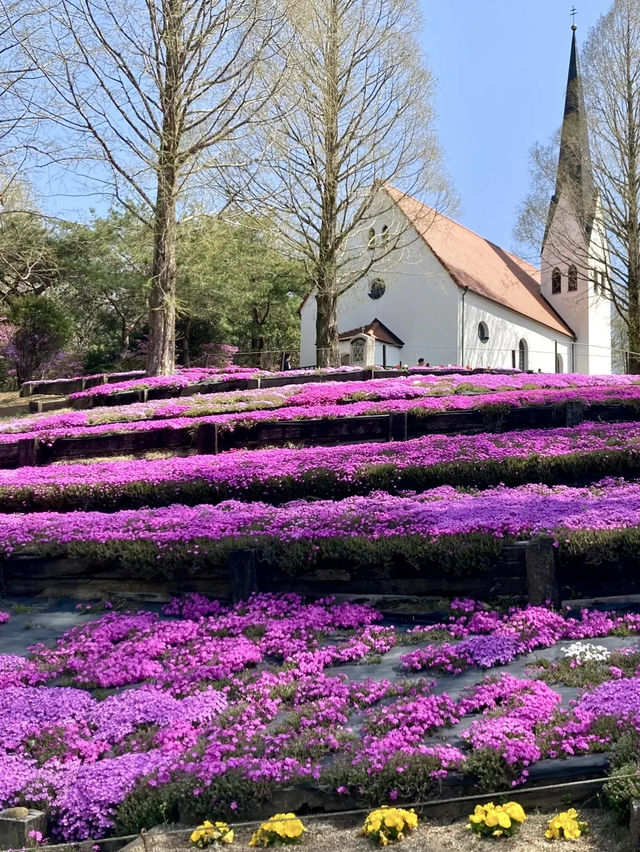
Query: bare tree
<point>147,94</point>
<point>16,125</point>
<point>354,113</point>
<point>611,74</point>
<point>612,78</point>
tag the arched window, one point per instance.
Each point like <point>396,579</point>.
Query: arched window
<point>573,278</point>
<point>523,355</point>
<point>371,244</point>
<point>556,281</point>
<point>598,281</point>
<point>483,332</point>
<point>357,350</point>
<point>385,235</point>
<point>377,288</point>
<point>559,364</point>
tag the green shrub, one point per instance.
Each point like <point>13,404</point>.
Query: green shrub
<point>619,790</point>
<point>489,769</point>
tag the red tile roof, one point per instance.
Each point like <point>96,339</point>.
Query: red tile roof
<point>480,265</point>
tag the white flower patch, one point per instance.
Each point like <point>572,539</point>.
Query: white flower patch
<point>586,652</point>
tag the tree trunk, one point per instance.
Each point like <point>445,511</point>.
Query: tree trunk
<point>257,347</point>
<point>186,350</point>
<point>161,353</point>
<point>633,320</point>
<point>327,345</point>
<point>162,301</point>
<point>124,340</point>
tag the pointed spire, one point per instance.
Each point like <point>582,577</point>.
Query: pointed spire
<point>575,173</point>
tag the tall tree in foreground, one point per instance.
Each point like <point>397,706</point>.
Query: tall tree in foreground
<point>150,92</point>
<point>354,114</point>
<point>611,74</point>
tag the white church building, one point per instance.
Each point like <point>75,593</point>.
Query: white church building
<point>450,296</point>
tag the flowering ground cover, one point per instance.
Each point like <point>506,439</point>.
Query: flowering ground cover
<point>584,452</point>
<point>134,715</point>
<point>291,403</point>
<point>480,382</point>
<point>440,524</point>
<point>190,376</point>
<point>329,394</point>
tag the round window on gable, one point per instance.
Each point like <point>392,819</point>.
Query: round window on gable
<point>483,331</point>
<point>377,288</point>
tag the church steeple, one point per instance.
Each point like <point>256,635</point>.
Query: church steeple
<point>575,174</point>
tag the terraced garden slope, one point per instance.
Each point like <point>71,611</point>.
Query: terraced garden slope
<point>214,707</point>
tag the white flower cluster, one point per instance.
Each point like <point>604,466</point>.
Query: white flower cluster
<point>586,652</point>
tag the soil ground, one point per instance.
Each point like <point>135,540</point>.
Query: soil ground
<point>325,836</point>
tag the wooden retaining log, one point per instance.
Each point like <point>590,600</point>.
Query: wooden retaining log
<point>245,572</point>
<point>362,429</point>
<point>342,430</point>
<point>526,571</point>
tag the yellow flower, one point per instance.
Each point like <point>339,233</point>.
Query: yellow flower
<point>291,829</point>
<point>503,819</point>
<point>515,811</point>
<point>411,818</point>
<point>491,819</point>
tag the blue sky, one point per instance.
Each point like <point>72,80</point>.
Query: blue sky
<point>501,68</point>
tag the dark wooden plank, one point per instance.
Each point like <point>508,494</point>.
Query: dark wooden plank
<point>9,455</point>
<point>611,412</point>
<point>62,386</point>
<point>342,430</point>
<point>28,452</point>
<point>118,443</point>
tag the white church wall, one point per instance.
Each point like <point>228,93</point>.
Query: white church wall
<point>599,341</point>
<point>419,303</point>
<point>506,329</point>
<point>586,312</point>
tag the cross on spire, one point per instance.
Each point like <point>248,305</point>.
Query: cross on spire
<point>573,14</point>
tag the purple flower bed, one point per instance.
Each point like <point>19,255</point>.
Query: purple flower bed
<point>521,512</point>
<point>292,404</point>
<point>218,705</point>
<point>487,639</point>
<point>283,474</point>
